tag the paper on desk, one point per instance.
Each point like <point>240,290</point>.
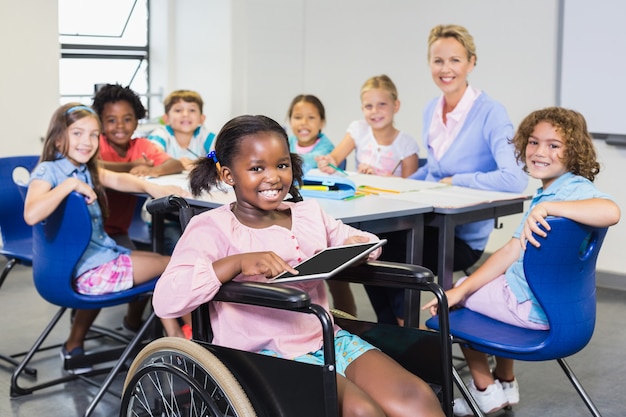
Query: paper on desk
<point>454,197</point>
<point>173,179</point>
<point>397,184</point>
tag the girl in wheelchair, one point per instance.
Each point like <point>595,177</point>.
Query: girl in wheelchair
<point>255,238</point>
<point>69,163</point>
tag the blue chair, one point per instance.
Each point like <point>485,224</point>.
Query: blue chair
<point>16,234</point>
<point>58,243</point>
<point>561,273</point>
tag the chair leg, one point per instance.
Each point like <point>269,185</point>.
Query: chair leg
<point>12,361</point>
<point>9,359</point>
<point>466,394</point>
<point>130,348</point>
<point>579,388</point>
<point>7,268</point>
<point>16,390</point>
<point>5,271</point>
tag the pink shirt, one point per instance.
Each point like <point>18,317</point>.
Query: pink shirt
<point>306,149</point>
<point>440,135</point>
<point>190,280</point>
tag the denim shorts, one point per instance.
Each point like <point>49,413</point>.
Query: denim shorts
<point>348,347</point>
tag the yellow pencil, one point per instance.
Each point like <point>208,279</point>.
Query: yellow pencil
<point>315,187</point>
<point>363,190</point>
<point>367,188</point>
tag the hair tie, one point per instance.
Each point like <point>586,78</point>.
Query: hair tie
<point>212,155</point>
<point>76,108</point>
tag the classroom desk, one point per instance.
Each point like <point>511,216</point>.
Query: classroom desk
<point>371,213</point>
<point>446,219</point>
<point>452,206</point>
<point>422,202</point>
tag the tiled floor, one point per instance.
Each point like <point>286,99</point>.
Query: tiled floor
<point>544,389</point>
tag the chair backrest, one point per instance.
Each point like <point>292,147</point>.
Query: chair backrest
<point>561,273</point>
<point>58,244</point>
<point>12,225</point>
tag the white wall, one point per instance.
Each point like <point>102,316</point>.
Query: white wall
<point>190,48</point>
<point>593,32</point>
<point>330,48</point>
<point>29,74</point>
<point>254,56</point>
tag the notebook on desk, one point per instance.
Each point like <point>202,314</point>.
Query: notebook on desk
<point>327,186</point>
<point>329,262</point>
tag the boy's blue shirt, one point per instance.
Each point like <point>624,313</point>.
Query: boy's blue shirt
<point>201,142</point>
<point>568,187</point>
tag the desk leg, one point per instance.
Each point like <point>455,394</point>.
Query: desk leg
<point>414,228</point>
<point>414,242</point>
<point>158,225</point>
<point>445,263</point>
<point>412,298</point>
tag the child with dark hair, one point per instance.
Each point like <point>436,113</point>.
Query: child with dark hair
<point>260,235</point>
<point>307,118</point>
<point>120,109</point>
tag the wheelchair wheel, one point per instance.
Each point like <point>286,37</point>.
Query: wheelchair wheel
<point>176,377</point>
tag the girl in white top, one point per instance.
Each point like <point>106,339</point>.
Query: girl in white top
<point>381,149</point>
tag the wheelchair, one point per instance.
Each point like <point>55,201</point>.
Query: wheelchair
<point>177,377</point>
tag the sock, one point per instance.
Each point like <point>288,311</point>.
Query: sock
<point>502,379</point>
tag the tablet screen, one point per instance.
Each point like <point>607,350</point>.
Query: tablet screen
<point>329,261</point>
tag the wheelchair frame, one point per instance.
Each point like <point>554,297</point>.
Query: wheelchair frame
<point>175,377</point>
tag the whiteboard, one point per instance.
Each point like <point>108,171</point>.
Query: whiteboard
<point>593,63</point>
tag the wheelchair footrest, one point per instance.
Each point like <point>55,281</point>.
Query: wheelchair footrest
<point>92,358</point>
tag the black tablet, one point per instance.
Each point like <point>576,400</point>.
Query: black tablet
<point>329,261</point>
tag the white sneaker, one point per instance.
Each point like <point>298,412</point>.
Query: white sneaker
<point>511,390</point>
<point>489,401</point>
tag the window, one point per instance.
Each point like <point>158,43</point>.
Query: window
<point>102,41</point>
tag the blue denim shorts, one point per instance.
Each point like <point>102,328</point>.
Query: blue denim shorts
<point>348,347</point>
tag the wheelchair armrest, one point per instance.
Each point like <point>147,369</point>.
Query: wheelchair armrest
<point>387,274</point>
<point>264,295</point>
<point>250,293</point>
<point>167,204</point>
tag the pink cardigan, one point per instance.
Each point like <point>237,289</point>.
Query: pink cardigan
<point>190,280</point>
